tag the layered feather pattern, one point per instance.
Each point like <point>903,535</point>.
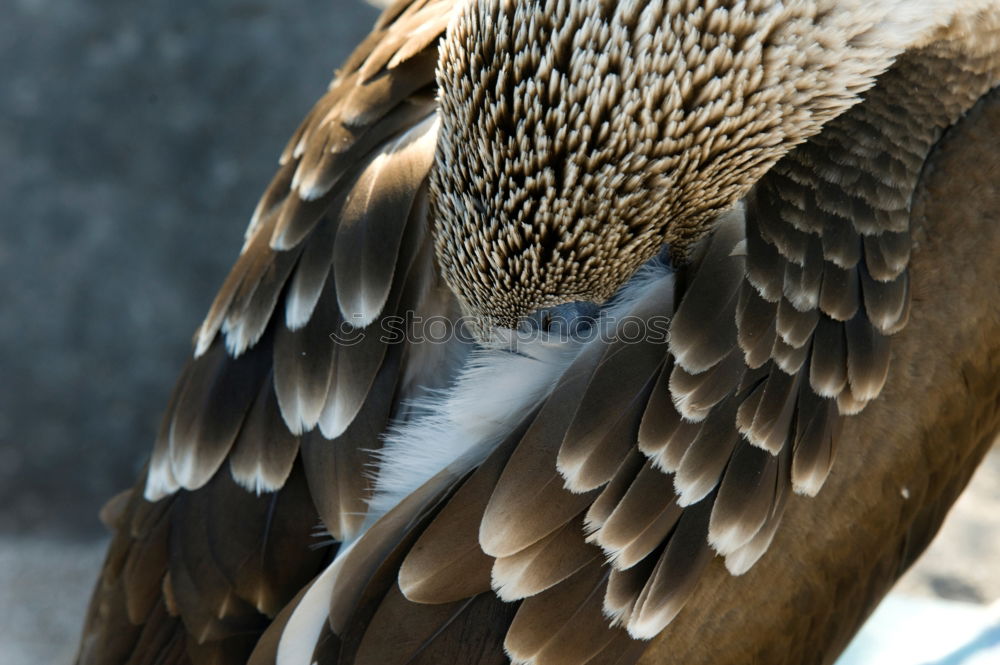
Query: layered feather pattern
<point>812,322</point>
<point>332,485</point>
<point>350,182</point>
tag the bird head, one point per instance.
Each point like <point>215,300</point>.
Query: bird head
<point>578,137</point>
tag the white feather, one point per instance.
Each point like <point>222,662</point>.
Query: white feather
<point>336,416</point>
<point>462,425</point>
<point>299,637</point>
<point>160,481</point>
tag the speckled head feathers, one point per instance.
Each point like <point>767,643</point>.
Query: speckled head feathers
<point>579,136</point>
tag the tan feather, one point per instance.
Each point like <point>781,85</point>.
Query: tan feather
<point>675,575</point>
<point>264,451</point>
<point>529,501</point>
<point>446,563</point>
<point>564,624</point>
<point>641,520</point>
<point>370,230</point>
<point>544,564</point>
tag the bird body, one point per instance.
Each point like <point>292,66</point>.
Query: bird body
<point>770,209</point>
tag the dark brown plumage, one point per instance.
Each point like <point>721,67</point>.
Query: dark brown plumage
<point>392,499</point>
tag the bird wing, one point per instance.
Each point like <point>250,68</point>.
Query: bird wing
<point>224,529</point>
<point>598,514</point>
<point>585,520</point>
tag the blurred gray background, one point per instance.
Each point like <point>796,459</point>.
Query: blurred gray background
<point>134,141</point>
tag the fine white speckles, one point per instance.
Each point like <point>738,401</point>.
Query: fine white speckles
<point>621,128</point>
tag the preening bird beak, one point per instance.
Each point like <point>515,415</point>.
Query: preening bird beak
<point>565,319</point>
<point>570,321</point>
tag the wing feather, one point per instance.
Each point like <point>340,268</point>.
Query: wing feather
<point>216,562</point>
<point>261,462</point>
<point>673,579</point>
<point>446,564</point>
<point>528,502</point>
<point>370,231</point>
<point>641,520</point>
<point>544,564</point>
<point>563,624</point>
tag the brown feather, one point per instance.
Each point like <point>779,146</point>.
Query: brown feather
<point>563,624</point>
<point>840,295</point>
<point>696,395</point>
<point>795,327</point>
<point>415,31</point>
<point>746,495</point>
<point>338,471</point>
<point>680,440</point>
<point>772,418</point>
<point>465,631</point>
<point>304,362</point>
<point>657,421</point>
<point>742,559</point>
<point>255,247</point>
<point>366,103</point>
<point>841,244</point>
<point>529,501</point>
<point>265,652</point>
<point>381,591</point>
<point>593,449</point>
<point>815,432</point>
<point>703,329</point>
<point>828,362</point>
<point>606,421</point>
<point>789,358</point>
<point>160,480</point>
<point>251,311</point>
<point>544,564</point>
<point>362,561</point>
<point>446,564</point>
<point>641,520</point>
<point>626,585</point>
<point>885,302</point>
<point>887,254</point>
<point>353,373</point>
<point>210,410</point>
<point>790,242</point>
<point>801,284</point>
<point>701,467</point>
<point>756,320</point>
<point>765,268</point>
<point>158,638</point>
<point>297,217</point>
<point>676,573</point>
<point>334,160</point>
<point>606,502</point>
<point>371,224</point>
<point>867,358</point>
<point>265,545</point>
<point>264,451</point>
<point>310,276</point>
<point>142,574</point>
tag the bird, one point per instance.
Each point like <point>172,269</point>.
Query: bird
<point>578,331</point>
